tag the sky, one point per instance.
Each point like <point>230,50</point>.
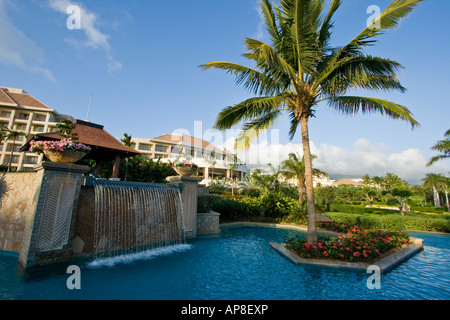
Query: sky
<point>133,66</point>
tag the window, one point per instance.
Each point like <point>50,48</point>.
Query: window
<point>5,114</point>
<point>23,116</point>
<point>21,127</point>
<point>145,147</point>
<point>199,154</point>
<point>161,149</point>
<point>176,150</point>
<point>13,147</point>
<point>40,117</point>
<point>39,128</point>
<point>31,160</point>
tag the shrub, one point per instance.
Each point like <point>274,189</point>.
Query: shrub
<point>359,210</point>
<point>393,202</point>
<point>394,222</point>
<point>205,203</point>
<point>232,210</point>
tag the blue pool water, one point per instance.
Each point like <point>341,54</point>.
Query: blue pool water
<point>237,265</point>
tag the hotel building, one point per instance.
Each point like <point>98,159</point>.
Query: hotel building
<point>213,162</point>
<point>21,112</point>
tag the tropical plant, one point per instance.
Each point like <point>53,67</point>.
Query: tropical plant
<point>435,182</point>
<point>65,128</point>
<point>403,194</point>
<point>9,134</point>
<point>294,168</point>
<point>367,180</point>
<point>442,146</point>
<point>40,147</point>
<point>127,140</point>
<point>232,167</point>
<point>391,181</point>
<point>299,69</point>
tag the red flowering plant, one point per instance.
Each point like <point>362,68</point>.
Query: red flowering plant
<point>358,244</point>
<point>57,146</point>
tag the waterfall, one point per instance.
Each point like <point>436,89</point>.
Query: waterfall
<point>131,217</point>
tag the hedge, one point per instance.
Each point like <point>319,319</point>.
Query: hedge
<point>359,210</point>
<point>394,222</point>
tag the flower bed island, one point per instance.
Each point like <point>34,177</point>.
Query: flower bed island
<point>355,247</point>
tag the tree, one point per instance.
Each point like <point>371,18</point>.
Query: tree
<point>391,180</point>
<point>367,180</point>
<point>435,182</point>
<point>300,69</point>
<point>232,167</point>
<point>294,168</point>
<point>443,146</point>
<point>9,134</point>
<point>403,194</point>
<point>126,140</point>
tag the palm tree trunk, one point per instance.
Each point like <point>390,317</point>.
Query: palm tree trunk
<point>11,155</point>
<point>437,202</point>
<point>312,227</point>
<point>446,198</point>
<point>300,193</point>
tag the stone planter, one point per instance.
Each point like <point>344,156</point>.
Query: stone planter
<point>66,156</point>
<point>185,171</point>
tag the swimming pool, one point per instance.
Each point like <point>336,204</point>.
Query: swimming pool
<point>237,265</point>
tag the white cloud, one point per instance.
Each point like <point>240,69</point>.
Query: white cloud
<point>89,23</point>
<point>17,50</point>
<point>259,34</point>
<point>364,157</point>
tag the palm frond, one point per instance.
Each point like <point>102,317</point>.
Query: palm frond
<point>389,19</point>
<point>365,72</point>
<point>252,129</point>
<point>272,60</point>
<point>351,105</point>
<point>247,110</point>
<point>325,30</point>
<point>253,80</point>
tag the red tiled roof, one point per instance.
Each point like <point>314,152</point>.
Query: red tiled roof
<point>104,144</point>
<point>192,141</point>
<point>22,99</point>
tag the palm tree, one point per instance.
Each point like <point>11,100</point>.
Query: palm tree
<point>435,182</point>
<point>366,180</point>
<point>294,168</point>
<point>446,189</point>
<point>232,167</point>
<point>443,146</point>
<point>391,180</point>
<point>299,69</point>
<point>126,140</point>
<point>8,135</point>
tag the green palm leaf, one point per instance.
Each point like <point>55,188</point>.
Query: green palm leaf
<point>351,105</point>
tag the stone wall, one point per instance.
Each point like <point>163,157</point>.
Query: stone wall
<point>20,192</point>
